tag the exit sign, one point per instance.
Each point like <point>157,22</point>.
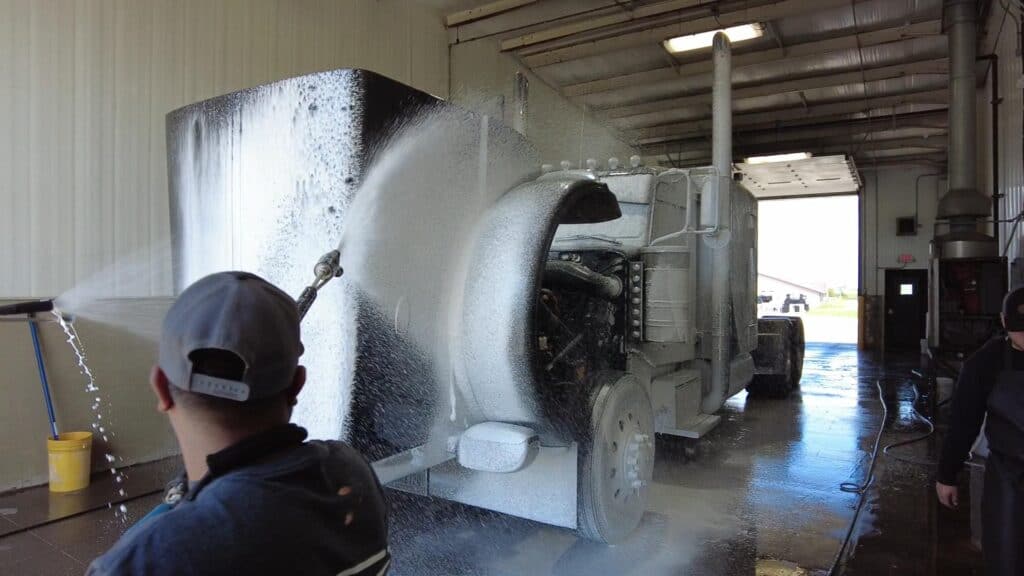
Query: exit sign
<point>906,258</point>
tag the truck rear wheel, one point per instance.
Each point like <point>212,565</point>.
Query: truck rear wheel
<point>616,459</point>
<point>797,352</point>
<point>781,382</point>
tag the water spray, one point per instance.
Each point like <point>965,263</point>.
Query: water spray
<point>328,267</point>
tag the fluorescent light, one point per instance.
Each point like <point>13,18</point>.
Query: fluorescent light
<point>778,158</point>
<point>704,39</point>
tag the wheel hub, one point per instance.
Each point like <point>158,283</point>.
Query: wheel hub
<point>631,451</point>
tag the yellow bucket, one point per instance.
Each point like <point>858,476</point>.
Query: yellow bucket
<point>70,459</point>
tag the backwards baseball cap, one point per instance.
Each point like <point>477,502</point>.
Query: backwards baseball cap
<point>234,312</point>
<point>1013,310</point>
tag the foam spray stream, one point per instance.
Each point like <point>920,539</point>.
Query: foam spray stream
<point>99,426</point>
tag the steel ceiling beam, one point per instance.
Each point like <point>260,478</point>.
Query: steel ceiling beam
<point>682,130</point>
<point>537,16</point>
<point>807,138</point>
<point>886,117</point>
<point>626,16</point>
<point>647,114</point>
<point>842,93</point>
<point>485,11</point>
<point>865,161</point>
<point>541,56</point>
<point>846,42</point>
<point>822,147</point>
<point>926,121</point>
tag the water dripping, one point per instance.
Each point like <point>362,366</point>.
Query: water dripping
<point>75,341</point>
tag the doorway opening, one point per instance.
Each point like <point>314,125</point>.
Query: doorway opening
<point>906,305</point>
<point>808,264</point>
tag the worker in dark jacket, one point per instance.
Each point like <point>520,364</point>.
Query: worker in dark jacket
<point>992,382</point>
<point>257,499</point>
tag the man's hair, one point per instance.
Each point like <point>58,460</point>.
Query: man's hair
<point>224,364</point>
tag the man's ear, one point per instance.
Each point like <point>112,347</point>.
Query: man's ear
<point>162,389</point>
<point>1002,318</point>
<point>298,381</point>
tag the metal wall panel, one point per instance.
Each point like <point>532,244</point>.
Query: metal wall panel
<point>84,86</point>
<point>1003,41</point>
<point>484,79</point>
<point>889,193</point>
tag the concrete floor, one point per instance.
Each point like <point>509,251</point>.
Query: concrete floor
<point>763,487</point>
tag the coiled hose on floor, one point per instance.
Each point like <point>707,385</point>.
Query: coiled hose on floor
<point>861,489</point>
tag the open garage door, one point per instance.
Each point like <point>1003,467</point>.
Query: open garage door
<point>807,264</point>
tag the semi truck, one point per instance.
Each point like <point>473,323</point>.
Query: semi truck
<point>597,308</point>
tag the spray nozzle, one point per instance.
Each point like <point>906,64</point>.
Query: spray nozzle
<point>28,307</point>
<point>327,267</point>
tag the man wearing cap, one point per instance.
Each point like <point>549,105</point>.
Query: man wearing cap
<point>258,499</point>
<point>992,382</point>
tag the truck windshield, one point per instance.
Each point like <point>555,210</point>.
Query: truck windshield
<point>630,228</point>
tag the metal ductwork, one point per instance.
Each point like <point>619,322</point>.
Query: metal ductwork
<point>963,205</point>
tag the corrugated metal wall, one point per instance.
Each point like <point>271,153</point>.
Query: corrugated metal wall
<point>484,78</point>
<point>84,86</point>
<point>889,193</point>
<point>1003,40</point>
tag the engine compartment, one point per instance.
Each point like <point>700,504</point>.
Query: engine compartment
<point>579,327</point>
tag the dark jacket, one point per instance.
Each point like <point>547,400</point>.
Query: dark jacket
<point>270,504</point>
<point>970,403</point>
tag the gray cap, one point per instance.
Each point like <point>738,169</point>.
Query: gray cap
<point>240,313</point>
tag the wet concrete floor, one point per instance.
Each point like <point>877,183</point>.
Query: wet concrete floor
<point>764,487</point>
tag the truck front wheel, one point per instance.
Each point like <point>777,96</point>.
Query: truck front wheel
<point>616,461</point>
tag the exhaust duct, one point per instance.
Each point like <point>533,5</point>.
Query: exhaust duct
<point>963,205</point>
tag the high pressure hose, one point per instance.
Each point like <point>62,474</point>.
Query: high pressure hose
<point>28,307</point>
<point>869,479</point>
<point>861,489</point>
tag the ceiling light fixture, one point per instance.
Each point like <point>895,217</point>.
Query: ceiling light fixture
<point>704,39</point>
<point>778,158</point>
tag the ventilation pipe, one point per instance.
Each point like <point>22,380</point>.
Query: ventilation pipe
<point>714,213</point>
<point>963,205</point>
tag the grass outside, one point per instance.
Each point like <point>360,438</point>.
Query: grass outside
<point>835,307</point>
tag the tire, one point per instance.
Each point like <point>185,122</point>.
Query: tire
<point>616,461</point>
<point>782,385</point>
<point>797,351</point>
<point>770,386</point>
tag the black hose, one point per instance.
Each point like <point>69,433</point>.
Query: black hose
<point>577,277</point>
<point>29,307</point>
<point>861,489</point>
<point>925,436</point>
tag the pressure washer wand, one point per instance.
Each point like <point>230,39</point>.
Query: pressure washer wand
<point>30,307</point>
<point>328,267</point>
